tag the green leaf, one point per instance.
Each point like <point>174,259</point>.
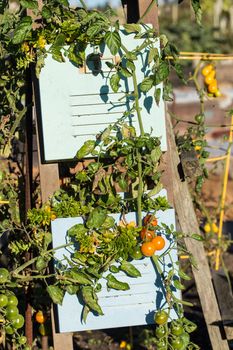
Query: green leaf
<point>130,269</point>
<point>85,313</point>
<point>153,54</point>
<point>114,82</point>
<point>179,71</point>
<point>132,28</point>
<point>155,190</point>
<point>197,237</point>
<point>29,4</point>
<point>80,277</point>
<point>91,300</point>
<point>157,96</point>
<point>96,218</point>
<point>184,276</point>
<point>22,30</point>
<point>95,29</point>
<point>130,65</point>
<point>63,2</point>
<point>156,153</point>
<point>77,230</point>
<point>197,10</point>
<point>112,282</point>
<point>146,84</point>
<point>87,148</point>
<point>46,12</point>
<point>162,72</point>
<point>57,47</point>
<point>125,72</point>
<point>56,294</point>
<point>178,285</point>
<point>113,41</point>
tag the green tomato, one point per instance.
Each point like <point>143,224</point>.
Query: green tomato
<point>12,300</point>
<point>3,300</point>
<point>176,328</point>
<point>136,253</point>
<point>18,321</point>
<point>161,317</point>
<point>11,312</point>
<point>160,331</point>
<point>4,275</point>
<point>177,343</point>
<point>199,118</point>
<point>9,330</point>
<point>161,344</point>
<point>22,340</point>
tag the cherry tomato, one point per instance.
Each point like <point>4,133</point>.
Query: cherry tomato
<point>210,78</point>
<point>147,234</point>
<point>177,343</point>
<point>40,317</point>
<point>176,328</point>
<point>22,340</point>
<point>3,300</point>
<point>161,317</point>
<point>12,300</point>
<point>150,220</point>
<point>136,253</point>
<point>207,69</point>
<point>11,312</point>
<point>161,344</point>
<point>218,93</point>
<point>159,242</point>
<point>4,275</point>
<point>199,118</point>
<point>160,331</point>
<point>212,88</point>
<point>147,248</point>
<point>18,321</point>
<point>9,330</point>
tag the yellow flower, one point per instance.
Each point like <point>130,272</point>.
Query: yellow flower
<point>41,42</point>
<point>25,47</point>
<point>131,224</point>
<point>207,228</point>
<point>53,216</point>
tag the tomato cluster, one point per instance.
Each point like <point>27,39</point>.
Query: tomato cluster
<point>151,241</point>
<point>209,74</point>
<point>173,335</point>
<point>9,312</point>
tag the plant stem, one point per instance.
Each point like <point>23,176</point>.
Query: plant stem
<point>31,261</point>
<point>140,189</point>
<point>149,8</point>
<point>84,4</point>
<point>137,106</point>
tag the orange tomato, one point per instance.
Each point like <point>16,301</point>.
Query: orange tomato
<point>147,248</point>
<point>40,317</point>
<point>150,220</point>
<point>207,69</point>
<point>158,242</point>
<point>147,234</point>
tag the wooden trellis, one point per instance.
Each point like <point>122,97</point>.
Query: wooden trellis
<point>178,194</point>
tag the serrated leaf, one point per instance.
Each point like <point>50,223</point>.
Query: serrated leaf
<point>156,154</point>
<point>153,53</point>
<point>162,72</point>
<point>146,84</point>
<point>63,2</point>
<point>132,28</point>
<point>22,30</point>
<point>125,72</point>
<point>56,294</point>
<point>113,41</point>
<point>114,82</point>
